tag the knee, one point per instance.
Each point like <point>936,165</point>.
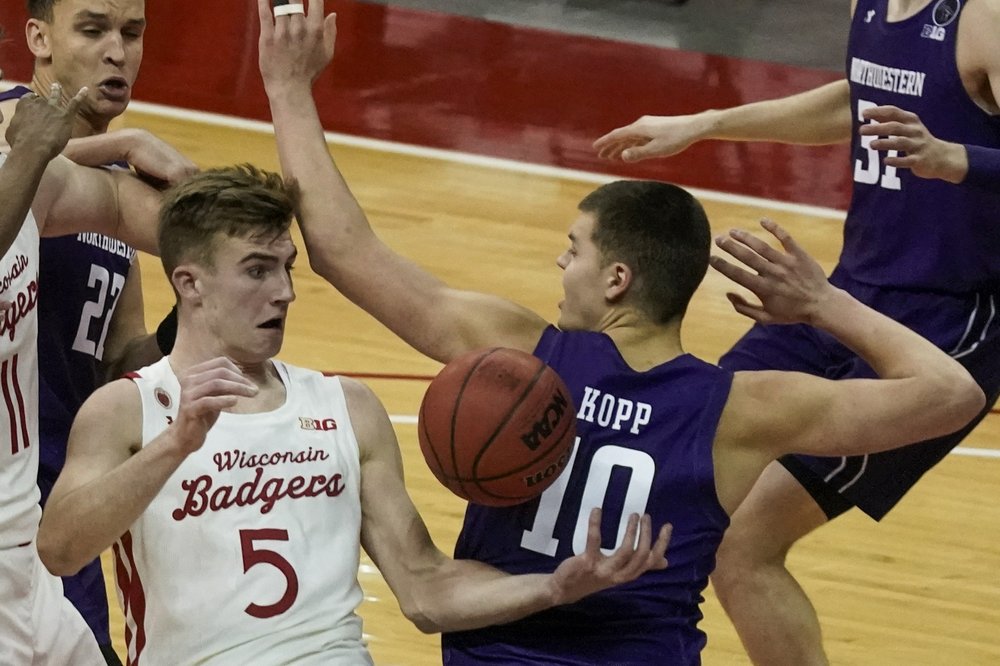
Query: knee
<point>743,556</point>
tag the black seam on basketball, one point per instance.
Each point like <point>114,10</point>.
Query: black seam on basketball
<point>506,418</point>
<point>427,436</point>
<point>555,442</point>
<point>454,414</point>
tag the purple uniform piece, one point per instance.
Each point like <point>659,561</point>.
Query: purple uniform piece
<point>644,445</point>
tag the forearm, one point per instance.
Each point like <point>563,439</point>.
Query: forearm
<point>100,149</point>
<point>331,219</point>
<point>467,594</point>
<point>20,176</point>
<point>79,525</point>
<point>892,350</point>
<point>818,116</point>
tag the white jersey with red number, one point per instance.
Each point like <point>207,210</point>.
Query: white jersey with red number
<point>249,554</point>
<point>19,510</point>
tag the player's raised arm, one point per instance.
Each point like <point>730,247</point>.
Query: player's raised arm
<point>437,320</point>
<point>438,593</point>
<point>39,130</point>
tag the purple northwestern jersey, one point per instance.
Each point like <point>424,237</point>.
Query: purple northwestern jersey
<point>903,230</point>
<point>644,445</point>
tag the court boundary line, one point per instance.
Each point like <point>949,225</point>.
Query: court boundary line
<point>973,452</point>
<point>470,159</point>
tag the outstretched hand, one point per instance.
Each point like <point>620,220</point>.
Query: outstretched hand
<point>295,48</point>
<point>649,136</point>
<point>791,286</point>
<point>908,144</point>
<point>44,123</point>
<point>206,390</point>
<point>592,571</point>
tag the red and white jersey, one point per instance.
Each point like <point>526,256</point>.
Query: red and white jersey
<point>249,554</point>
<point>19,510</point>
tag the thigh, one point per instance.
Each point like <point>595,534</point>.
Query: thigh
<point>776,513</point>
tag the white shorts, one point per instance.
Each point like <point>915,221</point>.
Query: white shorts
<point>38,625</point>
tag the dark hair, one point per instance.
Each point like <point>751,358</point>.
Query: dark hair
<point>241,201</point>
<point>41,9</point>
<point>661,232</point>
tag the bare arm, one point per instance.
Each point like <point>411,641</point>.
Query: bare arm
<point>129,346</point>
<point>921,393</point>
<point>437,320</point>
<point>146,152</point>
<point>39,130</point>
<point>818,116</point>
<point>438,593</point>
<point>73,199</point>
<point>109,478</point>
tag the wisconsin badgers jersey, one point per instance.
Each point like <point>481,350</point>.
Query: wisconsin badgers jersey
<point>19,511</point>
<point>249,554</point>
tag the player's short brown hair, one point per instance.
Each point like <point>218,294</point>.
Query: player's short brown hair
<point>241,201</point>
<point>658,230</point>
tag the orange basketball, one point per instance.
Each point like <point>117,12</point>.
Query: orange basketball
<point>497,426</point>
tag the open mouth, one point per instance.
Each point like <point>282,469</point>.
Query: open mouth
<point>276,323</point>
<point>115,88</point>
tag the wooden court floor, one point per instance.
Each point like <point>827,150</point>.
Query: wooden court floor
<point>921,588</point>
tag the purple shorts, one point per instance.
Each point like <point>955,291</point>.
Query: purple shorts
<point>967,327</point>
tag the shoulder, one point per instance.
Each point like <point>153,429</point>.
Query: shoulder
<point>114,408</point>
<point>980,29</point>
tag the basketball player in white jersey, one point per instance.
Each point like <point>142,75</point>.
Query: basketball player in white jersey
<point>237,489</point>
<point>41,192</point>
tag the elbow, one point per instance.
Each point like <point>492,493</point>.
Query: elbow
<point>972,401</point>
<point>421,618</point>
<point>57,555</point>
<point>959,401</point>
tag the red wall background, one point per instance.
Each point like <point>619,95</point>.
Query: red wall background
<point>481,87</point>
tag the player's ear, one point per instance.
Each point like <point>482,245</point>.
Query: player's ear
<point>186,280</point>
<point>618,279</point>
<point>36,33</point>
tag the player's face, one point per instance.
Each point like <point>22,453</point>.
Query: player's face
<point>98,44</point>
<point>583,306</point>
<point>247,293</point>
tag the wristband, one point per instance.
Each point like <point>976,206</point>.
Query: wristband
<point>984,167</point>
<point>166,332</point>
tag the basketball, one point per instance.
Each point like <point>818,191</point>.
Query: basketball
<point>496,426</point>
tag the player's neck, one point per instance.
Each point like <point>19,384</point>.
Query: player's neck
<point>900,10</point>
<point>645,345</point>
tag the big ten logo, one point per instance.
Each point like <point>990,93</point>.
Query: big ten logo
<point>935,32</point>
<point>546,425</point>
<point>613,411</point>
<point>317,424</point>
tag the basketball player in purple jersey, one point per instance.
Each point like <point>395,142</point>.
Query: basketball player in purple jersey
<point>51,196</point>
<point>659,430</point>
<point>90,300</point>
<point>920,107</point>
